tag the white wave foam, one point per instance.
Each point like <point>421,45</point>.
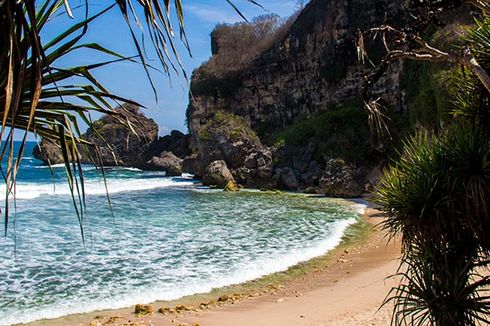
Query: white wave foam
<point>96,187</point>
<point>244,272</point>
<point>130,169</point>
<point>54,166</point>
<point>360,208</point>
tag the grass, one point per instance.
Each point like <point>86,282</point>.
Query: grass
<point>234,127</point>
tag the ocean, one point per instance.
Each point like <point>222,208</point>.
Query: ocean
<point>164,238</point>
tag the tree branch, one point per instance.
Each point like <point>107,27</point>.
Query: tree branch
<point>429,53</point>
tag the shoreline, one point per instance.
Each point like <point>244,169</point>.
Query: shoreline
<point>362,250</point>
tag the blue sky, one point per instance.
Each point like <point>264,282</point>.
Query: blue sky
<point>129,79</point>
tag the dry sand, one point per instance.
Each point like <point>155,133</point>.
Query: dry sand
<point>348,290</point>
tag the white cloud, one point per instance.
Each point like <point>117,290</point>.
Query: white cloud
<point>213,15</point>
<point>224,13</point>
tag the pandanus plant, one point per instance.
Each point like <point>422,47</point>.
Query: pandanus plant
<point>437,198</point>
<point>40,96</point>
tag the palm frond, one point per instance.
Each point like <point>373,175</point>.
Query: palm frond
<point>40,97</point>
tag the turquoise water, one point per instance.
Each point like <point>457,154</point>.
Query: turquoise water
<point>169,237</point>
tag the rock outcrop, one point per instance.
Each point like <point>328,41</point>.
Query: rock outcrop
<point>226,137</point>
<point>311,69</point>
<point>177,143</point>
<point>341,179</point>
<point>48,152</point>
<point>123,138</point>
<point>217,174</point>
<point>127,138</point>
<point>168,162</point>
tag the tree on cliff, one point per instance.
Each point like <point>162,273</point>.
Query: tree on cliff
<point>436,194</point>
<point>411,42</point>
<point>39,96</point>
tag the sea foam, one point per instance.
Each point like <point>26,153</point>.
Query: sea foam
<point>169,238</point>
<point>28,190</point>
<point>240,273</point>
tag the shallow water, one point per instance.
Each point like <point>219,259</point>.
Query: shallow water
<point>169,237</point>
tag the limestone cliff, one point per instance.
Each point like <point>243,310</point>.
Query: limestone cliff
<point>313,68</point>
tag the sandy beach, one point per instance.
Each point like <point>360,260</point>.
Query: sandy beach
<point>346,287</point>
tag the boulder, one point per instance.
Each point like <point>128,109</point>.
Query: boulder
<point>176,142</point>
<point>168,162</point>
<point>231,186</point>
<point>121,145</point>
<point>217,174</point>
<point>288,179</point>
<point>341,179</point>
<point>143,309</point>
<point>227,137</point>
<point>46,151</point>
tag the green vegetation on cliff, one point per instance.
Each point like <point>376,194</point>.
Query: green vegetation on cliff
<point>235,127</point>
<point>339,132</point>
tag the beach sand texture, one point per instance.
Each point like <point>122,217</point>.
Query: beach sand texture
<point>348,293</point>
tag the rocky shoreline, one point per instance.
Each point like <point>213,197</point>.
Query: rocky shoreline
<point>289,117</point>
<point>227,154</point>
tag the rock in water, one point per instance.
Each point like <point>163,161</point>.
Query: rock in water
<point>128,139</point>
<point>227,137</point>
<point>217,173</point>
<point>190,164</point>
<point>168,162</point>
<point>48,152</point>
<point>176,142</point>
<point>121,145</point>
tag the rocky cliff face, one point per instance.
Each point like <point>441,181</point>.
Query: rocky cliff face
<point>314,68</point>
